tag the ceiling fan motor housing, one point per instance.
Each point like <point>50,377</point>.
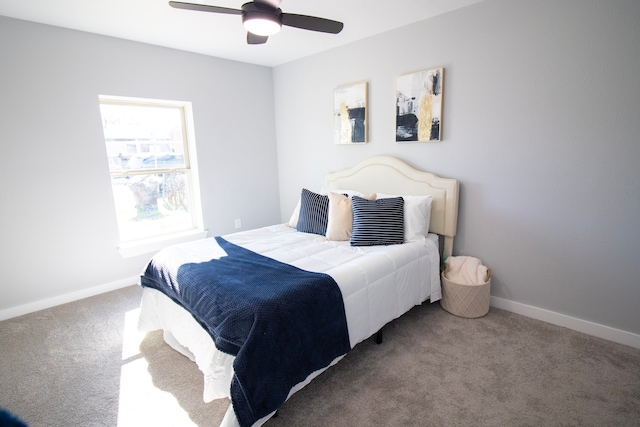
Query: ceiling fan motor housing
<point>261,19</point>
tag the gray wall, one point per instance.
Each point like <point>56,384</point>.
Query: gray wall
<point>541,126</point>
<point>58,226</point>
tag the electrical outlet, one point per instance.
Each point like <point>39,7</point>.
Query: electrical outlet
<point>238,223</point>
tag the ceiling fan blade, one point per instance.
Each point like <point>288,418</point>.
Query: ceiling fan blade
<point>204,8</point>
<point>256,39</point>
<point>273,3</point>
<point>312,23</point>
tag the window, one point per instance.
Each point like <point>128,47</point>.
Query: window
<point>150,151</point>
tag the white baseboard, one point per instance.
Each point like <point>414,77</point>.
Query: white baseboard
<point>584,326</point>
<point>63,299</point>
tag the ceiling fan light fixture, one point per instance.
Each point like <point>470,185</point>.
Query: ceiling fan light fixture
<point>263,18</point>
<point>261,24</point>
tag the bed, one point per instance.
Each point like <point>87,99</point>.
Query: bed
<point>354,284</point>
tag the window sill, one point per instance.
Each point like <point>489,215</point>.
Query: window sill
<point>141,247</point>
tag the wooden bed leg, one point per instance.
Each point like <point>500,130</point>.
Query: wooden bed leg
<point>379,337</point>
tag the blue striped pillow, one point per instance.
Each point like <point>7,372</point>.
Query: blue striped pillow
<point>314,213</point>
<point>377,222</point>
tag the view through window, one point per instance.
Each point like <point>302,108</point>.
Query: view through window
<point>148,155</point>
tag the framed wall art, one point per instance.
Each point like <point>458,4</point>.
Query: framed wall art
<point>350,114</point>
<point>419,106</point>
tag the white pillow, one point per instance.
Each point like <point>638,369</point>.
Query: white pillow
<point>417,215</point>
<point>293,221</point>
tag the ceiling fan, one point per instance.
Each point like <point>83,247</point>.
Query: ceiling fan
<point>263,18</point>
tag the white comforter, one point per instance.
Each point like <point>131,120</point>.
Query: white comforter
<point>378,284</point>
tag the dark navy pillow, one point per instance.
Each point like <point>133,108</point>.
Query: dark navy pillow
<point>314,213</point>
<point>377,222</point>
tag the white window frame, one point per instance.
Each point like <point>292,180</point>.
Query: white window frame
<point>144,246</point>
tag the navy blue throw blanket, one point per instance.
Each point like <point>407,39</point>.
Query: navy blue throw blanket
<point>280,322</point>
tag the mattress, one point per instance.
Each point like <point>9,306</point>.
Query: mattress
<point>378,285</point>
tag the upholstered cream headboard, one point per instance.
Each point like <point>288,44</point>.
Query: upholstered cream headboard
<point>390,175</point>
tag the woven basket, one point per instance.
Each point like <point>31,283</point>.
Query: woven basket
<point>468,301</point>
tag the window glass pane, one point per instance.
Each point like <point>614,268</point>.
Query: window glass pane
<point>143,136</point>
<point>149,165</point>
<point>149,205</point>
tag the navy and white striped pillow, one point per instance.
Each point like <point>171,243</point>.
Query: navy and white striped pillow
<point>377,222</point>
<point>314,213</point>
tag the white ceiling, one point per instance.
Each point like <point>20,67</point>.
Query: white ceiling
<point>155,22</point>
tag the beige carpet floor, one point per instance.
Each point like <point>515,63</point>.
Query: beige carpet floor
<point>85,364</point>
